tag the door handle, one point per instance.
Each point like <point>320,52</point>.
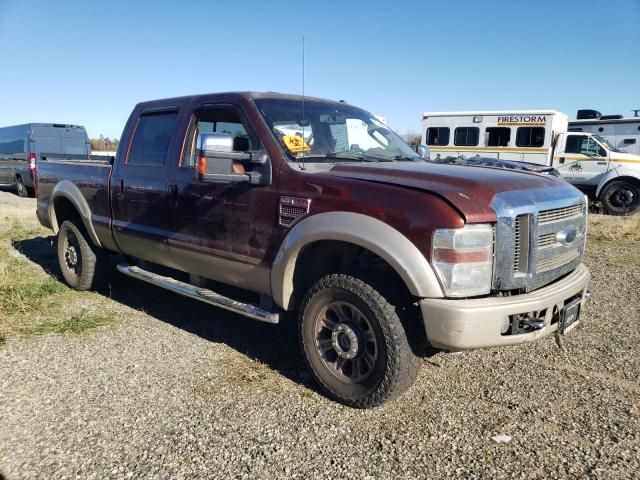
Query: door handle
<point>561,160</point>
<point>120,190</point>
<point>172,189</point>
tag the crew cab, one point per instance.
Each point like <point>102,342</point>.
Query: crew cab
<point>263,204</point>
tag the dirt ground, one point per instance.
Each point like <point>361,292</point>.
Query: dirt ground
<point>136,382</point>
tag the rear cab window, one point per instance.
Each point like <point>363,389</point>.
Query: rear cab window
<point>152,137</point>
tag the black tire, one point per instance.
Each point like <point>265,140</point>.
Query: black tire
<point>21,187</point>
<point>382,365</point>
<point>81,263</point>
<point>620,197</point>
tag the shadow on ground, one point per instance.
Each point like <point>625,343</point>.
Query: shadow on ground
<point>9,188</point>
<point>273,345</point>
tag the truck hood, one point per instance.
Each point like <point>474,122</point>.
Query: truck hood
<point>625,157</point>
<point>468,189</point>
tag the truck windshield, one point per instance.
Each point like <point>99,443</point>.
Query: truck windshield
<point>606,143</point>
<point>332,132</point>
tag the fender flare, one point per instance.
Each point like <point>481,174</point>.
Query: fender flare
<point>67,189</point>
<point>358,229</point>
<point>617,173</point>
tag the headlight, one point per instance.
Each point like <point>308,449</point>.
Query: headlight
<point>463,259</point>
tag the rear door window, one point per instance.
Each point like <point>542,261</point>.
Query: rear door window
<point>151,138</point>
<point>74,141</point>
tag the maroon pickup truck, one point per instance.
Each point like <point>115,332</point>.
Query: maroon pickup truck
<point>313,206</point>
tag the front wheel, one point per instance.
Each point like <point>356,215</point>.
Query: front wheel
<point>354,342</point>
<point>621,197</point>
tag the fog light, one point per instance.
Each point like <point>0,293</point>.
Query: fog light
<point>505,325</point>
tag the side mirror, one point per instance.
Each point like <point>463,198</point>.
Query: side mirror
<point>216,159</point>
<point>422,151</point>
<point>215,142</point>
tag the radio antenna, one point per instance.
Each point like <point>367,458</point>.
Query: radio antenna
<point>302,167</point>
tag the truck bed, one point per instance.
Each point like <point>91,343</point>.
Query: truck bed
<point>86,176</point>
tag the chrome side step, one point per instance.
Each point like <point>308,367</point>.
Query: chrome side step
<point>198,293</point>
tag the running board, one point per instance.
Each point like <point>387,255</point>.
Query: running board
<point>197,293</point>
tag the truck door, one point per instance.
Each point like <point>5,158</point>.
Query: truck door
<point>221,231</point>
<point>139,188</point>
<point>580,159</point>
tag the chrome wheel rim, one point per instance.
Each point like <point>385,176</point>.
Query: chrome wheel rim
<point>346,342</point>
<point>71,255</point>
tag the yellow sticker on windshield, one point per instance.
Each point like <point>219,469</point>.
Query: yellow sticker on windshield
<point>295,144</point>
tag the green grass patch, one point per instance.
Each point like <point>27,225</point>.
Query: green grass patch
<point>19,231</point>
<point>76,323</point>
<point>31,301</point>
<point>23,290</point>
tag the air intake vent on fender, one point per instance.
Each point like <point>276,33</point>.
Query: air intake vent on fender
<point>292,208</point>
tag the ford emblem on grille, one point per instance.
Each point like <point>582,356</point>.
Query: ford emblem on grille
<point>567,236</point>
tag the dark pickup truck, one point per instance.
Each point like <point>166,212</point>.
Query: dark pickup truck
<point>291,204</point>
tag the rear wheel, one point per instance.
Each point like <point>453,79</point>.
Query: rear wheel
<point>21,187</point>
<point>82,265</point>
<point>621,197</point>
<point>354,342</point>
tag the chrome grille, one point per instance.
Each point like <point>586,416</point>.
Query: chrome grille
<point>540,236</point>
<point>521,245</point>
<point>558,214</point>
<point>550,263</point>
<point>546,240</point>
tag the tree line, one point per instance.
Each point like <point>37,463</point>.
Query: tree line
<point>104,144</point>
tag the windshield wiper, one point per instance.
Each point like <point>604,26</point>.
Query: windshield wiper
<point>407,158</point>
<point>333,156</point>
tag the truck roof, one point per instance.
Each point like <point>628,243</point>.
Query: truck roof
<point>40,124</point>
<point>248,95</point>
<point>492,112</point>
<point>597,121</point>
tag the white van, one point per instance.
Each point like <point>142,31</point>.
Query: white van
<point>22,145</point>
<point>621,132</point>
<point>585,160</point>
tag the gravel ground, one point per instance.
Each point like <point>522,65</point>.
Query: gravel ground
<point>175,389</point>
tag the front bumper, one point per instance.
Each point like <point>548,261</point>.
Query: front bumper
<point>476,323</point>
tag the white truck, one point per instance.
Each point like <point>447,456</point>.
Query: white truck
<point>585,160</point>
<point>622,132</point>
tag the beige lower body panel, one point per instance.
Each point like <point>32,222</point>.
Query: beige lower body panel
<point>476,323</point>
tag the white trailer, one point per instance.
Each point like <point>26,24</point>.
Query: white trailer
<point>585,160</point>
<point>623,133</point>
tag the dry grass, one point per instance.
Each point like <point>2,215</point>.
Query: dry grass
<point>604,228</point>
<point>31,301</point>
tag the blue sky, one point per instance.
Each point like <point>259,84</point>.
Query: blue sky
<point>88,62</point>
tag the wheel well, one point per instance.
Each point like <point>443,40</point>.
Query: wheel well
<point>331,256</point>
<point>65,210</point>
<point>633,180</point>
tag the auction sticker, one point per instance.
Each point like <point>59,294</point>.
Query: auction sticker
<point>295,144</point>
